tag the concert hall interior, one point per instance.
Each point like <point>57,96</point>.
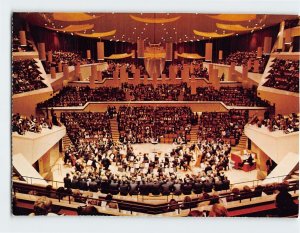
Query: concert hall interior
<point>155,114</point>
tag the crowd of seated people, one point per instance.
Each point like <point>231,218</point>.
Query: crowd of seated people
<point>222,125</point>
<point>130,69</point>
<point>287,124</point>
<point>65,57</point>
<point>23,124</point>
<point>149,124</point>
<point>242,57</point>
<point>233,96</point>
<point>198,70</point>
<point>79,96</point>
<point>149,92</point>
<point>16,45</point>
<point>87,126</point>
<point>26,76</point>
<point>284,75</point>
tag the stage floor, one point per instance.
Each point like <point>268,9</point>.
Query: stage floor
<point>235,176</point>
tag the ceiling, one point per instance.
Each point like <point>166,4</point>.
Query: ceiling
<point>153,27</point>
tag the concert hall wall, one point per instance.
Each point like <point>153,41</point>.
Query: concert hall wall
<point>245,42</point>
<point>67,42</point>
<point>62,41</point>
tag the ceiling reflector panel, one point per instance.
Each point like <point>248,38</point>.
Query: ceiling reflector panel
<point>73,17</point>
<point>97,34</point>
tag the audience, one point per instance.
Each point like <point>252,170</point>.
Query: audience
<point>232,96</point>
<point>284,203</point>
<point>162,92</point>
<point>66,57</point>
<point>88,126</point>
<point>284,75</point>
<point>223,125</point>
<point>42,207</point>
<point>22,124</point>
<point>16,45</point>
<point>241,58</point>
<point>26,76</point>
<point>218,210</point>
<point>79,96</point>
<point>287,124</point>
<point>149,124</point>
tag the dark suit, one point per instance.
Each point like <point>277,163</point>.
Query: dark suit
<point>93,186</point>
<point>134,188</point>
<point>124,188</point>
<point>104,186</point>
<point>114,187</point>
<point>67,182</point>
<point>226,184</point>
<point>186,188</point>
<point>207,186</point>
<point>197,188</point>
<point>219,185</point>
<point>155,188</point>
<point>177,189</point>
<point>83,185</point>
<point>144,189</point>
<point>165,188</point>
<point>74,184</point>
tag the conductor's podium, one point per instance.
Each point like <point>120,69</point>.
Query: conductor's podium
<point>236,158</point>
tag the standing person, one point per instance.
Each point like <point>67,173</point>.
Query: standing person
<point>67,181</point>
<point>270,165</point>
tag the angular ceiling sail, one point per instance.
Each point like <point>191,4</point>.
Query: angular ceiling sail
<point>119,56</point>
<point>190,55</point>
<point>97,34</point>
<point>73,28</point>
<point>73,16</point>
<point>211,34</point>
<point>233,27</point>
<point>232,17</point>
<point>154,20</point>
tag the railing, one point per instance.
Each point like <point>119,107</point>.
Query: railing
<point>250,183</point>
<point>30,185</point>
<point>133,207</point>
